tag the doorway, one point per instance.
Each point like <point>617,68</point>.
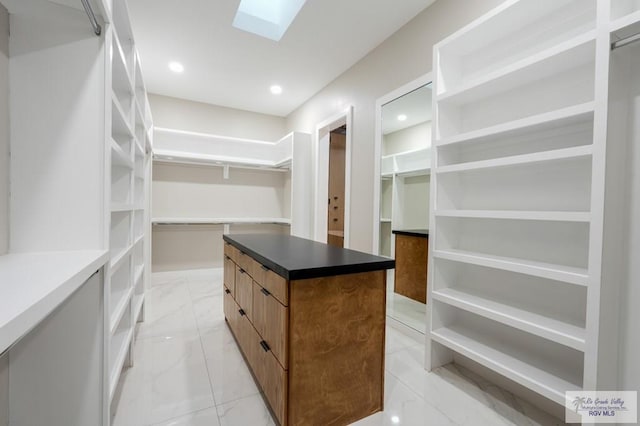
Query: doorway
<point>333,179</point>
<point>335,206</point>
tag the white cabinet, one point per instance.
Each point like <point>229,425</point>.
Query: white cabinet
<point>520,144</point>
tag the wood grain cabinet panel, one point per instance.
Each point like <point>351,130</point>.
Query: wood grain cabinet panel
<point>245,262</point>
<point>229,278</point>
<point>244,291</point>
<point>336,358</point>
<point>411,267</point>
<point>231,252</point>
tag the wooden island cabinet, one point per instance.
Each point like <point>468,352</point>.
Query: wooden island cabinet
<point>310,321</point>
<point>411,253</point>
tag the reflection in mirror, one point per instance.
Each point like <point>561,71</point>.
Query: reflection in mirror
<point>404,203</point>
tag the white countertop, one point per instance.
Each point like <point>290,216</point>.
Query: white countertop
<point>32,285</point>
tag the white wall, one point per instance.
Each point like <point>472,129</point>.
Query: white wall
<point>4,131</point>
<point>414,137</point>
<point>192,116</point>
<point>188,191</point>
<point>400,59</point>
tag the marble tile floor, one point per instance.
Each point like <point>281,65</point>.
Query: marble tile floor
<point>188,371</point>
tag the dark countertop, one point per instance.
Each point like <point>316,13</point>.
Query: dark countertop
<point>297,258</point>
<point>422,233</point>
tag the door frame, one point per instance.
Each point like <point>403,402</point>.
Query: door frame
<point>321,149</point>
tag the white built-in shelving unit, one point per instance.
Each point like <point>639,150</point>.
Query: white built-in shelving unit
<point>518,189</point>
<point>80,174</point>
<point>404,193</point>
<point>269,181</point>
<point>129,140</point>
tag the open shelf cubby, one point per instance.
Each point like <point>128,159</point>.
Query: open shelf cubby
<point>549,367</point>
<point>624,8</point>
<point>515,32</point>
<point>547,308</point>
<point>557,185</point>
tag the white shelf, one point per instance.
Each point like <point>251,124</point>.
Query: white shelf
<point>138,301</point>
<point>121,207</point>
<point>562,117</point>
<point>562,57</point>
<point>415,172</point>
<point>120,342</point>
<point>139,270</point>
<point>558,216</point>
<point>550,271</point>
<point>166,156</point>
<point>625,21</point>
<point>120,308</point>
<point>545,327</point>
<point>119,157</point>
<point>121,79</point>
<point>385,220</point>
<point>219,221</point>
<point>546,384</point>
<point>119,258</point>
<point>52,278</point>
<point>119,121</point>
<point>538,157</point>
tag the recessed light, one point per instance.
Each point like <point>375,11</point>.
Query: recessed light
<point>402,117</point>
<point>395,420</point>
<point>275,89</point>
<point>176,67</point>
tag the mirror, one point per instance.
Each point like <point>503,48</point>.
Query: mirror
<point>404,202</point>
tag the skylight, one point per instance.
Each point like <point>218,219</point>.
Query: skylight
<point>267,18</point>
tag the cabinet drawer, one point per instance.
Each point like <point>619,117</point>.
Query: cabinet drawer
<point>229,279</point>
<point>277,286</point>
<point>231,251</point>
<point>273,380</point>
<point>245,262</point>
<point>248,341</point>
<point>271,320</point>
<point>231,311</point>
<point>244,291</point>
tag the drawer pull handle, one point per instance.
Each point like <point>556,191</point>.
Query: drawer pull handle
<point>264,268</point>
<point>265,292</point>
<point>242,312</point>
<point>242,271</point>
<point>227,257</point>
<point>265,346</point>
<point>226,290</point>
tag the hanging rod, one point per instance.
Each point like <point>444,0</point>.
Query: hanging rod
<point>625,41</point>
<point>97,29</point>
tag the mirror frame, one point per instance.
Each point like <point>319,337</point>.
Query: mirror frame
<point>380,102</point>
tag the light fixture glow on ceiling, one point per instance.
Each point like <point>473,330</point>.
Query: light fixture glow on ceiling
<point>402,117</point>
<point>275,89</point>
<point>395,420</point>
<point>176,67</point>
<point>269,19</point>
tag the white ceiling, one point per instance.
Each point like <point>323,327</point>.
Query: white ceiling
<point>229,67</point>
<point>416,105</point>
